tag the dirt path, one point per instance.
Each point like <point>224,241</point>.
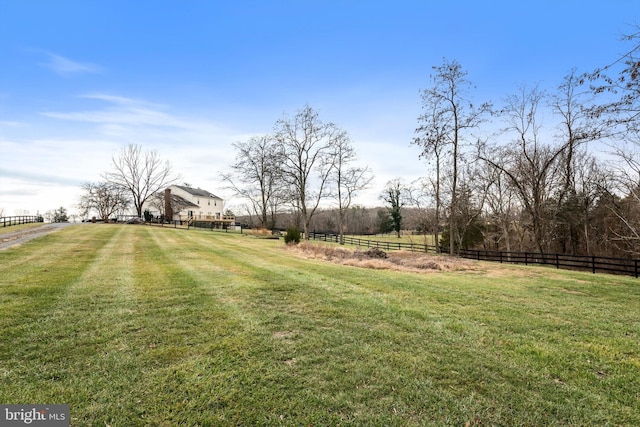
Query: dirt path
<point>13,239</point>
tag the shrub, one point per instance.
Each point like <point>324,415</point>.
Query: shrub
<point>293,235</point>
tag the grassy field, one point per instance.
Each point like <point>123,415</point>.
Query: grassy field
<point>144,326</point>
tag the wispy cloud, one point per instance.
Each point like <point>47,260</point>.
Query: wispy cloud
<point>41,178</point>
<point>67,67</point>
<point>125,119</point>
<point>121,100</point>
<point>10,123</point>
<point>123,111</point>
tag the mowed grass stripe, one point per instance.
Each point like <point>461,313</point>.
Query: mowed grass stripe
<point>210,353</point>
<point>444,309</point>
<point>84,332</point>
<point>34,275</point>
<point>250,381</point>
<point>174,327</point>
<point>288,310</point>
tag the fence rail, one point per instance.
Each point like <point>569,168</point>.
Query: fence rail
<point>389,246</point>
<point>8,221</point>
<point>595,264</point>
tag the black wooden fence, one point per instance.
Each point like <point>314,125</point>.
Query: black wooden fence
<point>595,264</point>
<point>8,221</point>
<point>389,246</point>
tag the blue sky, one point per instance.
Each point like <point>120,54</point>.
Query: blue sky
<point>80,79</point>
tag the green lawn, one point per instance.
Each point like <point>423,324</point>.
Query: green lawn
<point>144,326</point>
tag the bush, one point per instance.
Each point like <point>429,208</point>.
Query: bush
<point>293,235</point>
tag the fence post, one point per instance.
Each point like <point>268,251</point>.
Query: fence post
<point>593,264</point>
<point>635,267</point>
<point>557,262</point>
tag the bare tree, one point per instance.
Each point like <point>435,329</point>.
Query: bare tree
<point>257,177</point>
<point>449,116</point>
<point>577,126</point>
<point>306,148</point>
<point>621,114</point>
<point>103,197</point>
<point>500,204</point>
<point>472,196</point>
<point>627,182</point>
<point>593,184</point>
<point>530,164</point>
<point>621,107</point>
<point>140,173</point>
<point>420,196</point>
<point>346,179</point>
<point>434,142</point>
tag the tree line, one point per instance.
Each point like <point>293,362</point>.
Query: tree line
<point>527,188</point>
<point>303,162</point>
<point>495,177</point>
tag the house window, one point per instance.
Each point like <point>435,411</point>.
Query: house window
<point>198,201</point>
<point>209,202</point>
<point>215,203</point>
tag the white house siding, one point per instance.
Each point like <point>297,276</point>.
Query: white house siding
<point>209,205</point>
<point>205,205</point>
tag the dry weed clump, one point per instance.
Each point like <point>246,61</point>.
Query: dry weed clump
<point>258,232</point>
<point>377,259</point>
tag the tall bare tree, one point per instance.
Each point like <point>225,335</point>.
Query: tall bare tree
<point>306,149</point>
<point>621,107</point>
<point>619,82</point>
<point>449,117</point>
<point>627,210</point>
<point>434,141</point>
<point>103,197</point>
<point>346,178</point>
<point>257,177</point>
<point>501,204</point>
<point>530,164</point>
<point>140,174</point>
<point>577,126</point>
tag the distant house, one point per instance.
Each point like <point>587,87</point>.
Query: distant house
<point>185,203</point>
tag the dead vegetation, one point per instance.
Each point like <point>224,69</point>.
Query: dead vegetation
<point>375,258</point>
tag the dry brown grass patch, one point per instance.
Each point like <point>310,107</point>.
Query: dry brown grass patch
<point>258,232</point>
<point>373,259</point>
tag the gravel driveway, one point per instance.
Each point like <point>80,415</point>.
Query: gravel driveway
<point>16,238</point>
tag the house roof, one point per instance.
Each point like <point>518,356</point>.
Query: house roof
<point>197,192</point>
<point>182,201</point>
